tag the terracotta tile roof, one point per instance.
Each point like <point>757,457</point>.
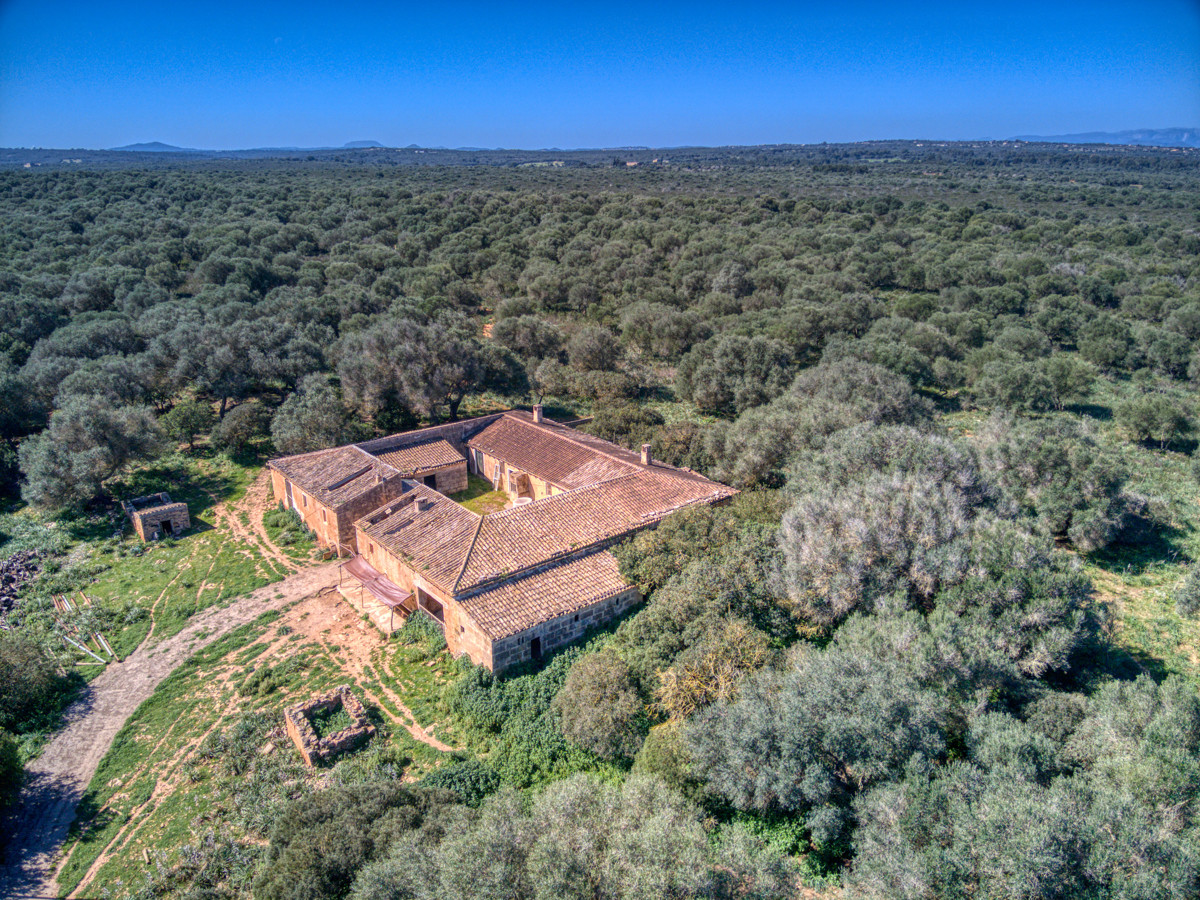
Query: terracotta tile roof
<point>334,477</point>
<point>558,590</point>
<point>433,542</point>
<point>435,454</point>
<point>553,452</point>
<point>525,536</point>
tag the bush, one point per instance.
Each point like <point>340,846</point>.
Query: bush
<point>33,689</point>
<point>322,840</point>
<point>10,769</point>
<point>599,708</point>
<point>471,780</point>
<point>1187,595</point>
<point>421,629</point>
<point>241,427</point>
<point>1154,418</point>
<point>1060,474</point>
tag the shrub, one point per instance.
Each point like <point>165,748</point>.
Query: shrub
<point>421,629</point>
<point>599,708</point>
<point>33,689</point>
<point>322,840</point>
<point>1154,418</point>
<point>471,780</point>
<point>241,427</point>
<point>10,769</point>
<point>1187,595</point>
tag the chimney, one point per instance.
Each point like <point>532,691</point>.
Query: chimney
<point>537,413</point>
<point>645,454</point>
<point>423,504</point>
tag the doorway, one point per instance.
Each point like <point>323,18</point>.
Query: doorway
<point>166,529</point>
<point>535,648</point>
<point>430,481</point>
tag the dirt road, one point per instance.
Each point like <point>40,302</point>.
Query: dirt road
<point>56,780</point>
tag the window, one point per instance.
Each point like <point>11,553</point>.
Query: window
<point>323,519</point>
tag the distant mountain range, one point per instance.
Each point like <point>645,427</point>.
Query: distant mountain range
<point>156,147</point>
<point>160,147</point>
<point>1141,137</point>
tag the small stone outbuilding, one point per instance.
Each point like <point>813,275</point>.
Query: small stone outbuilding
<point>155,516</point>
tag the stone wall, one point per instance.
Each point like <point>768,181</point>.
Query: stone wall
<point>380,495</point>
<point>454,433</point>
<point>316,749</point>
<point>559,631</point>
<point>450,480</point>
<point>148,523</point>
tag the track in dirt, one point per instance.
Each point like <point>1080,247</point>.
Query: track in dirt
<point>56,780</point>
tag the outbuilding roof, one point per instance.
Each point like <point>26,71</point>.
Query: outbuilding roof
<point>417,458</point>
<point>553,452</point>
<point>430,532</point>
<point>558,590</point>
<point>335,477</point>
<point>522,537</point>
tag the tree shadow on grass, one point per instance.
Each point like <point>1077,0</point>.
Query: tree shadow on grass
<point>1152,545</point>
<point>1092,411</point>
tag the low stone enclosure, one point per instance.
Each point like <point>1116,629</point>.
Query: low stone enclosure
<point>155,516</point>
<point>317,749</point>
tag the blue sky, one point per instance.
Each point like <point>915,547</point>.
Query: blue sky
<point>226,75</point>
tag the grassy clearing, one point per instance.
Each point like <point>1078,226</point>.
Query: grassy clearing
<point>1136,581</point>
<point>208,753</point>
<point>176,578</point>
<point>480,497</point>
<point>287,531</point>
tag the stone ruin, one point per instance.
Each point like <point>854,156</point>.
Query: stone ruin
<point>155,516</point>
<point>316,749</point>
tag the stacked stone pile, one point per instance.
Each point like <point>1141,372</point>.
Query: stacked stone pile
<point>19,568</point>
<point>316,749</point>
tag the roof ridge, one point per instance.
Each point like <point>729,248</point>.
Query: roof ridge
<point>375,460</point>
<point>425,428</point>
<point>511,512</point>
<point>467,556</point>
<point>549,428</point>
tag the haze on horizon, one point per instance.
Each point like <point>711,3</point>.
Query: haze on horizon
<point>254,75</point>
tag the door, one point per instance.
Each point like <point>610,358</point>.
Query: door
<point>535,648</point>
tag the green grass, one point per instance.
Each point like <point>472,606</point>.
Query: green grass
<point>1136,581</point>
<point>287,530</point>
<point>203,754</point>
<point>480,497</point>
<point>330,721</point>
<point>149,588</point>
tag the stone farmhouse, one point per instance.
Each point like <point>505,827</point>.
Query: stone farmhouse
<point>506,586</point>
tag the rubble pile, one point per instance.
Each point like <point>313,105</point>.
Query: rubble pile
<point>15,571</point>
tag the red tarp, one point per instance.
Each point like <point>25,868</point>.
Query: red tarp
<point>389,593</point>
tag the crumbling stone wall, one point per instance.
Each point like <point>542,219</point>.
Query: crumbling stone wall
<point>155,516</point>
<point>316,749</point>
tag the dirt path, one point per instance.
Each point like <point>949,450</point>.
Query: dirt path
<point>56,780</point>
<point>244,520</point>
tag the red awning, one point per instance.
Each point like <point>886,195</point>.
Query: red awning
<point>388,592</point>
